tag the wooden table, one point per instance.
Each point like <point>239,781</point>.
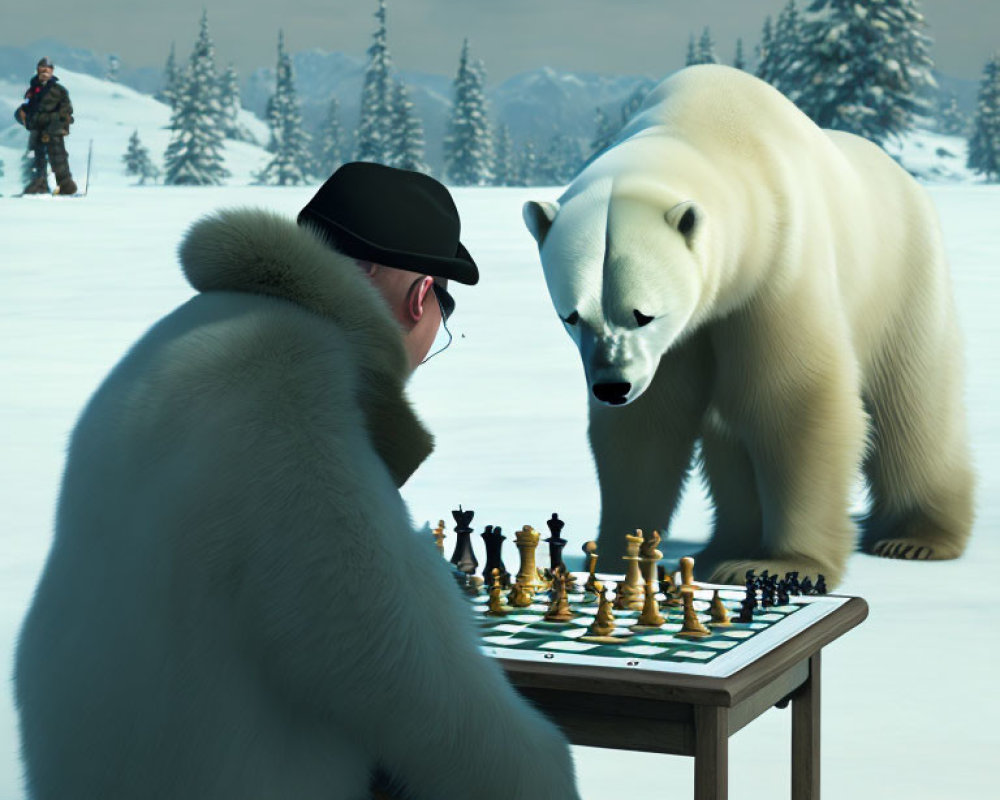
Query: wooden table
<point>693,715</point>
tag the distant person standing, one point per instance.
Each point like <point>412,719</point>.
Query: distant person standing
<point>47,113</point>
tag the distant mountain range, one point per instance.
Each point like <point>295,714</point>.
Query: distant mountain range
<point>535,105</point>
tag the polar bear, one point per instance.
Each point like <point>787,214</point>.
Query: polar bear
<point>734,275</point>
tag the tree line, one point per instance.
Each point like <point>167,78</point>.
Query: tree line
<point>864,68</point>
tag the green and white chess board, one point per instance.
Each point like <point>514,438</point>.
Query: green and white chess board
<point>525,636</point>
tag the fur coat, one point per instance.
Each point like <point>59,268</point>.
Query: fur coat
<point>235,604</point>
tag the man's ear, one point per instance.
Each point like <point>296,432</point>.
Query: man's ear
<point>538,217</point>
<point>417,297</point>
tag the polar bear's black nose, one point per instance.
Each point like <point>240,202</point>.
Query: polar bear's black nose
<point>613,393</point>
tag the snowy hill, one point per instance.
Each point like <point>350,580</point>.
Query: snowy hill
<point>107,113</point>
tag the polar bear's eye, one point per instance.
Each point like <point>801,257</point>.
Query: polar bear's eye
<point>640,318</point>
<point>572,319</point>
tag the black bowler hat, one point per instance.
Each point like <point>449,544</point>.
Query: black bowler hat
<point>394,217</point>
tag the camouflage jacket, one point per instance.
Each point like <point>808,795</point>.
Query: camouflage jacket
<point>47,107</point>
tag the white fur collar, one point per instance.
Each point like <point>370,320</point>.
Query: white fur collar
<point>260,252</point>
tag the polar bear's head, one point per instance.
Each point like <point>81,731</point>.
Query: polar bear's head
<point>621,265</point>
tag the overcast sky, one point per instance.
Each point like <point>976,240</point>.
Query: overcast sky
<point>614,36</point>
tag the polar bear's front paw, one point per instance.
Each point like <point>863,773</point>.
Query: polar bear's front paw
<point>735,572</point>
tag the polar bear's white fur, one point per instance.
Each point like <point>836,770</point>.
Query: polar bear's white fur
<point>733,274</point>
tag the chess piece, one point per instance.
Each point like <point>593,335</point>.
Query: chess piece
<point>590,549</point>
<point>556,542</point>
<point>782,593</point>
<point>820,587</point>
<point>793,583</point>
<point>650,616</point>
<point>519,597</point>
<point>527,541</point>
<point>493,540</point>
<point>629,593</point>
<point>671,594</point>
<point>439,537</point>
<point>693,627</point>
<point>720,614</point>
<point>604,622</point>
<point>687,574</point>
<point>747,606</point>
<point>806,586</point>
<point>560,610</point>
<point>463,557</point>
<point>497,607</point>
<point>649,557</point>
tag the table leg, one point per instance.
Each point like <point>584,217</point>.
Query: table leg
<point>711,753</point>
<point>805,736</point>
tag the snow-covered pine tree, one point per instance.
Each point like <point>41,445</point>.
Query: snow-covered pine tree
<point>784,64</point>
<point>764,69</point>
<point>229,92</point>
<point>172,77</point>
<point>374,130</point>
<point>407,133</point>
<point>504,167</point>
<point>137,160</point>
<point>527,165</point>
<point>706,48</point>
<point>468,145</point>
<point>607,128</point>
<point>984,144</point>
<point>561,161</point>
<point>692,53</point>
<point>331,152</point>
<point>194,154</point>
<point>869,66</point>
<point>950,118</point>
<point>292,163</point>
<point>739,60</point>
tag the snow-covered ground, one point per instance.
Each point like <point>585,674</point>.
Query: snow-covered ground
<point>910,698</point>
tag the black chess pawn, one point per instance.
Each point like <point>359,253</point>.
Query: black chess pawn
<point>820,587</point>
<point>493,540</point>
<point>782,593</point>
<point>746,607</point>
<point>463,557</point>
<point>806,586</point>
<point>556,543</point>
<point>793,583</point>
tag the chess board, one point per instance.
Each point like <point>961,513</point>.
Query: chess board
<point>523,635</point>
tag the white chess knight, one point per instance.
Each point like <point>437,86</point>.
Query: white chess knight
<point>235,606</point>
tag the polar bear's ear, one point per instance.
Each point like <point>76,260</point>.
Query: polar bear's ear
<point>685,218</point>
<point>538,217</point>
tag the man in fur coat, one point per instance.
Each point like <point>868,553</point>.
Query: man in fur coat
<point>235,604</point>
<point>47,113</point>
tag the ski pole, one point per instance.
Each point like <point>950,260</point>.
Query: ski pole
<point>90,152</point>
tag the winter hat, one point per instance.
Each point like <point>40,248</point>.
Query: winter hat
<point>391,216</point>
<point>45,62</point>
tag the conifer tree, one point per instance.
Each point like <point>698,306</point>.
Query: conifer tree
<point>868,68</point>
<point>229,93</point>
<point>764,69</point>
<point>527,165</point>
<point>504,167</point>
<point>407,133</point>
<point>950,118</point>
<point>607,128</point>
<point>331,154</point>
<point>114,64</point>
<point>692,53</point>
<point>194,154</point>
<point>375,128</point>
<point>984,144</point>
<point>137,160</point>
<point>291,165</point>
<point>706,48</point>
<point>468,145</point>
<point>783,66</point>
<point>739,60</point>
<point>561,162</point>
<point>172,77</point>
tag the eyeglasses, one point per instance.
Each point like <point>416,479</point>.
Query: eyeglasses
<point>447,305</point>
<point>445,300</point>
